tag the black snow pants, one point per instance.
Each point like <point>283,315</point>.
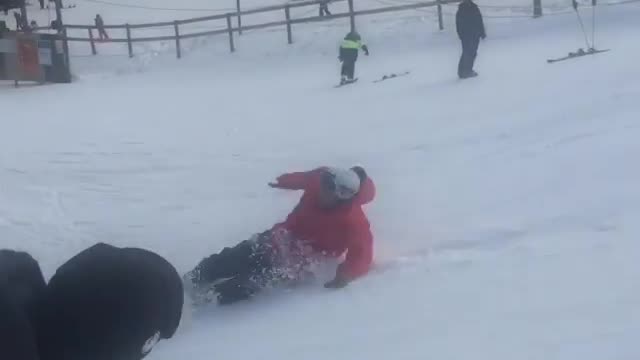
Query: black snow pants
<point>236,273</point>
<point>324,9</point>
<point>348,58</point>
<point>468,57</point>
<point>348,69</point>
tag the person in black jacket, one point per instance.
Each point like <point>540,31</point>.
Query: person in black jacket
<point>100,26</point>
<point>21,289</point>
<point>470,27</point>
<point>109,303</point>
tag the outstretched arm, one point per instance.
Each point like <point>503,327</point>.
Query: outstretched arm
<point>294,180</point>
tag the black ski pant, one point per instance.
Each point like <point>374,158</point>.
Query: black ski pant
<point>238,272</point>
<point>103,33</point>
<point>468,57</point>
<point>324,9</point>
<point>348,68</point>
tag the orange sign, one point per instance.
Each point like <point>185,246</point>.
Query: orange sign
<point>28,60</point>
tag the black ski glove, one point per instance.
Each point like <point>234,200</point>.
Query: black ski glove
<point>365,49</point>
<point>338,283</point>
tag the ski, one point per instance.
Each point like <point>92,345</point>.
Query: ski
<point>348,82</point>
<point>577,54</point>
<point>391,76</point>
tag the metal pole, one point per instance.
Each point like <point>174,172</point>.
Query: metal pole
<point>594,3</point>
<point>239,17</point>
<point>59,14</point>
<point>440,22</point>
<point>352,17</point>
<point>65,43</point>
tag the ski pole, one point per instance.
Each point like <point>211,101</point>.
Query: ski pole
<point>593,26</point>
<point>584,32</point>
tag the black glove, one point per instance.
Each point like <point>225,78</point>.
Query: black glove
<point>365,49</point>
<point>337,283</point>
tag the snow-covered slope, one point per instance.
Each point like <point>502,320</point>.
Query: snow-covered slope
<point>506,220</point>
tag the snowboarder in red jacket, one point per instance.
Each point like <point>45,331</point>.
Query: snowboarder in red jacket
<point>327,223</point>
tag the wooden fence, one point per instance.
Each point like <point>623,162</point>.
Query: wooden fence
<point>229,29</point>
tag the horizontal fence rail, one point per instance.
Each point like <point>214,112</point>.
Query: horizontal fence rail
<point>226,26</point>
<point>229,29</point>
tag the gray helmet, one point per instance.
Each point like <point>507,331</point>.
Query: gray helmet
<point>344,183</point>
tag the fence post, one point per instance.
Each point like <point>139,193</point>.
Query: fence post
<point>129,44</point>
<point>352,16</point>
<point>230,30</point>
<point>287,14</point>
<point>93,43</point>
<point>239,17</point>
<point>440,22</point>
<point>537,8</point>
<point>178,50</point>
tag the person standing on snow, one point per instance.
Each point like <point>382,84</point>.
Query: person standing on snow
<point>327,222</point>
<point>349,49</point>
<point>102,33</point>
<point>470,27</point>
<point>324,8</point>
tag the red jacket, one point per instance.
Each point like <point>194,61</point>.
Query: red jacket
<point>331,232</point>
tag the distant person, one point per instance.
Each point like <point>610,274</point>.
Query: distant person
<point>55,25</point>
<point>33,25</point>
<point>470,27</point>
<point>109,303</point>
<point>102,33</point>
<point>324,8</point>
<point>349,49</point>
<point>19,23</point>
